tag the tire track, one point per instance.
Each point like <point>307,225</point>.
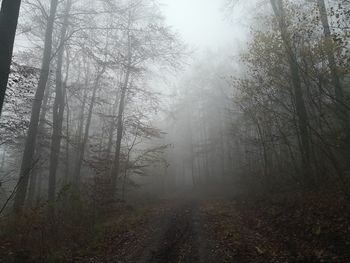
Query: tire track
<point>179,242</point>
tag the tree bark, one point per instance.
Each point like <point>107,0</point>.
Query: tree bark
<point>29,149</point>
<point>339,94</point>
<point>76,177</point>
<point>338,88</point>
<point>8,25</point>
<point>116,163</point>
<point>67,162</point>
<point>58,111</point>
<point>87,128</point>
<point>35,182</point>
<point>111,128</point>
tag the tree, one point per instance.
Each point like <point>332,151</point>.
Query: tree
<point>58,110</point>
<point>338,88</point>
<point>27,161</point>
<point>8,24</point>
<point>145,39</point>
<point>301,111</point>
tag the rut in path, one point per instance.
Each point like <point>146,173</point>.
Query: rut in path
<point>179,242</point>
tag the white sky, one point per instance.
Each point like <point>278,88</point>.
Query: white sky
<point>201,23</point>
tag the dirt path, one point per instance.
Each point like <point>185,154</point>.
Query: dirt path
<point>191,230</point>
<point>186,238</point>
<point>179,242</point>
<point>212,231</point>
<point>209,232</point>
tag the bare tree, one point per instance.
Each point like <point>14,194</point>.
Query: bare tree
<point>34,121</point>
<point>301,111</point>
<point>58,110</point>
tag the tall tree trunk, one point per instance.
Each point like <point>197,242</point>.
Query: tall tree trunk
<point>206,149</point>
<point>112,127</point>
<point>67,162</point>
<point>34,180</point>
<point>222,149</point>
<point>116,163</point>
<point>27,161</point>
<point>8,24</point>
<point>203,147</point>
<point>126,170</point>
<point>262,146</point>
<point>79,136</point>
<point>194,180</point>
<point>189,115</point>
<point>338,89</point>
<point>339,94</point>
<point>82,147</point>
<point>58,111</point>
<point>303,122</point>
<point>2,166</point>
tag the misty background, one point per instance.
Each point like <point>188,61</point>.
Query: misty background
<point>231,115</point>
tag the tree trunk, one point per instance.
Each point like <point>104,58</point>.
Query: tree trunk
<point>57,116</point>
<point>79,135</point>
<point>8,24</point>
<point>330,55</point>
<point>111,128</point>
<point>27,161</point>
<point>264,150</point>
<point>35,184</point>
<point>116,164</point>
<point>190,133</point>
<point>67,162</point>
<point>35,181</point>
<point>222,152</point>
<point>338,89</point>
<point>87,128</point>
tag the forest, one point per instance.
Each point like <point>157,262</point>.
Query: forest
<point>174,131</point>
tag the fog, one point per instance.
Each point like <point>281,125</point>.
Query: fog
<point>174,131</point>
<point>201,24</point>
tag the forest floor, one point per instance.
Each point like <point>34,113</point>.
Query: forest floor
<point>307,227</point>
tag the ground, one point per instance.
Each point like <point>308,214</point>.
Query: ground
<point>311,227</point>
<point>304,227</point>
